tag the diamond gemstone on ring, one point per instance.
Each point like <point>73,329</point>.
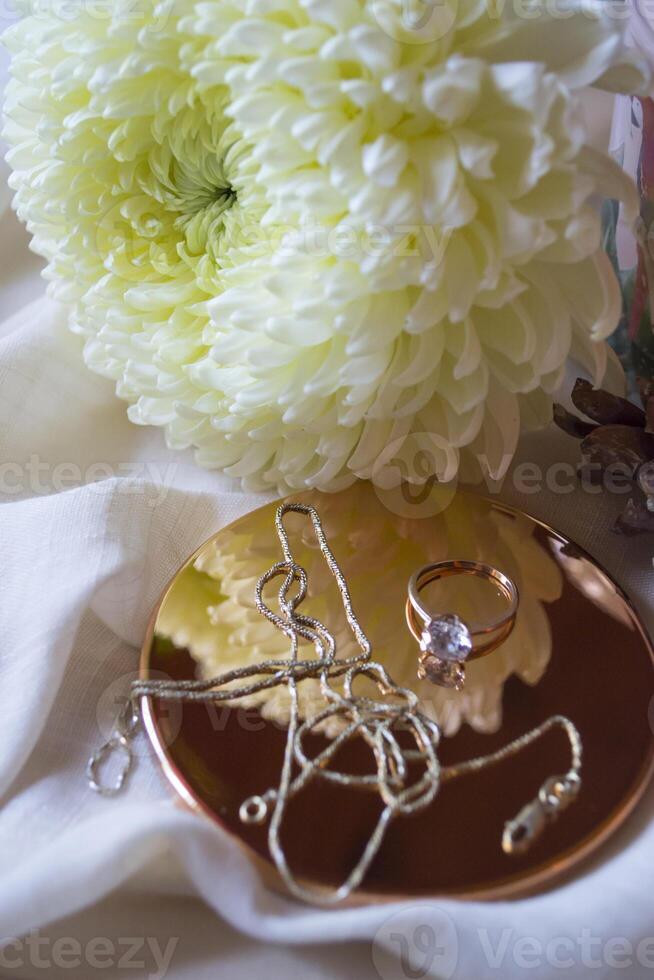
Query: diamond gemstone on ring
<point>447,638</point>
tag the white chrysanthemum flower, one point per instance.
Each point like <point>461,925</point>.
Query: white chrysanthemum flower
<point>294,231</point>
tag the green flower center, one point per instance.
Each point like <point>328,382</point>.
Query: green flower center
<point>208,189</point>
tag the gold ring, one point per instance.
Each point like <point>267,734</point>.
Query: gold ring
<point>446,642</point>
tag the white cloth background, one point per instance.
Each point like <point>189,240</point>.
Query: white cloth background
<point>86,549</point>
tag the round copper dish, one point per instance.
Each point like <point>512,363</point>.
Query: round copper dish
<point>578,649</point>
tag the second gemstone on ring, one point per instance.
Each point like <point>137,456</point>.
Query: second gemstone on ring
<point>443,673</point>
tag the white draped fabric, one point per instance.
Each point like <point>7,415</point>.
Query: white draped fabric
<point>96,515</point>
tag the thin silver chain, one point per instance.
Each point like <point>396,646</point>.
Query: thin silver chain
<point>407,779</point>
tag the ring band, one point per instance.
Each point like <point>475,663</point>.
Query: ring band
<point>445,641</point>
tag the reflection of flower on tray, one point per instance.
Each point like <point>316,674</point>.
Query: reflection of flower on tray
<point>211,611</point>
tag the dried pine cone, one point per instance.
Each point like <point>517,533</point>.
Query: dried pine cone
<point>620,438</point>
